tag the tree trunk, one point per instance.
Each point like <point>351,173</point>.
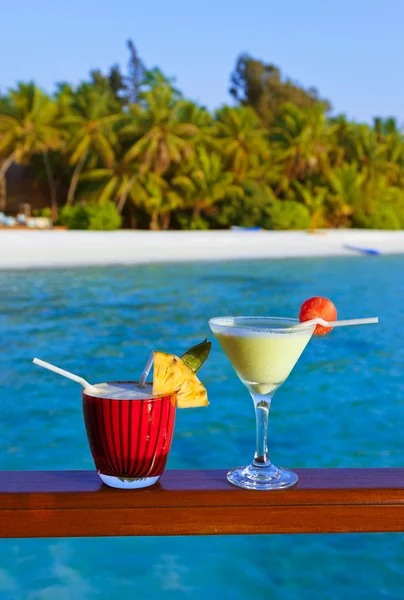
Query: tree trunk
<point>165,220</point>
<point>125,194</point>
<point>154,223</point>
<point>3,194</point>
<point>277,190</point>
<point>132,216</point>
<point>196,212</point>
<point>3,189</point>
<point>75,178</point>
<point>52,186</point>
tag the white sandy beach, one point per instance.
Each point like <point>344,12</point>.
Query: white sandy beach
<point>20,249</point>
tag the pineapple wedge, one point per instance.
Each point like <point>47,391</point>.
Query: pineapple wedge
<point>171,374</point>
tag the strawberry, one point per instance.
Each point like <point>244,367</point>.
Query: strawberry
<point>318,307</point>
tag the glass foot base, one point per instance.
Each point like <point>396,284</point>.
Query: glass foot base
<point>262,478</point>
<point>128,484</point>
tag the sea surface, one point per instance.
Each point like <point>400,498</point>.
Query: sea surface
<point>343,406</point>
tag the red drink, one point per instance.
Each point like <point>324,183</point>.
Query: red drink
<point>129,432</point>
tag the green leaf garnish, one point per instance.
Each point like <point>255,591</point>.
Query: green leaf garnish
<point>196,356</point>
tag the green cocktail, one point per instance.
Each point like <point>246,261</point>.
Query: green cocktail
<point>263,363</point>
<point>263,351</point>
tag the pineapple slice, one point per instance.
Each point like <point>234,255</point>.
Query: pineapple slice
<point>171,374</point>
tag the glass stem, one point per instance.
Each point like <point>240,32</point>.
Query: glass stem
<point>262,405</point>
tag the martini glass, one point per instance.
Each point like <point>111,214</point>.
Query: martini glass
<point>263,351</point>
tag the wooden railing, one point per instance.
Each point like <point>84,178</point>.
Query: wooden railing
<point>77,504</point>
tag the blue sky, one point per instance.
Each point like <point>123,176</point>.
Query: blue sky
<point>352,51</point>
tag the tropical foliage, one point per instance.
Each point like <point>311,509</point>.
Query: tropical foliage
<point>131,150</point>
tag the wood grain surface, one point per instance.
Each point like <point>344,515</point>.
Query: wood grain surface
<point>78,504</point>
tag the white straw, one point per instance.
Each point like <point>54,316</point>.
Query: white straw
<point>146,371</point>
<point>64,373</point>
<point>344,323</point>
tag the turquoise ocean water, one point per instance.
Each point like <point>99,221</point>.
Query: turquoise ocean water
<point>343,406</point>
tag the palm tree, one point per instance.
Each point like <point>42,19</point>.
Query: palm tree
<point>7,157</point>
<point>158,138</point>
<point>150,192</point>
<point>90,128</point>
<point>205,183</point>
<point>64,98</point>
<point>30,128</point>
<point>203,122</point>
<point>242,141</point>
<point>304,142</point>
<point>366,148</point>
<point>155,79</point>
<point>394,154</point>
<point>162,200</point>
<point>118,182</point>
<point>314,197</point>
<point>348,192</point>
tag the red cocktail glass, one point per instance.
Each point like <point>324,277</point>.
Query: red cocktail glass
<point>129,438</point>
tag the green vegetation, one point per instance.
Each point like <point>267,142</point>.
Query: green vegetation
<point>91,215</point>
<point>289,215</point>
<point>130,149</point>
